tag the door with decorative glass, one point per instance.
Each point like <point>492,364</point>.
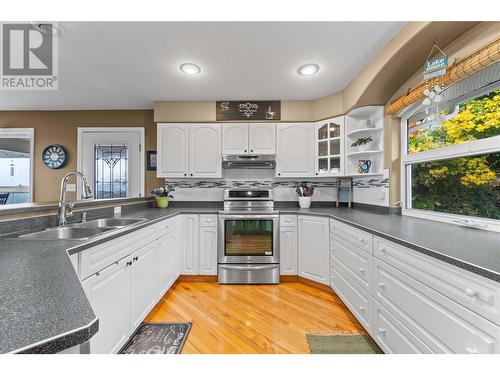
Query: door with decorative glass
<point>329,147</point>
<point>112,159</point>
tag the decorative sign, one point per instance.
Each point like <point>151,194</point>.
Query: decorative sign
<point>436,66</point>
<point>248,110</point>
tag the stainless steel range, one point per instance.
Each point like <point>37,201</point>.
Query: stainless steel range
<point>248,240</point>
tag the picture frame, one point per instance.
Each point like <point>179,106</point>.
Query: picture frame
<point>151,160</point>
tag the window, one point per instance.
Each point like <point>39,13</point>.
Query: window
<point>451,161</point>
<point>110,171</point>
<point>16,149</point>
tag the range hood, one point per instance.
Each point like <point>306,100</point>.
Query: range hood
<point>248,161</point>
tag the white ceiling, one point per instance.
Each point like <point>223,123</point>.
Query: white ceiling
<point>129,65</point>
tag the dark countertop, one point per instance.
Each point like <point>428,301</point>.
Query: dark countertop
<point>44,308</point>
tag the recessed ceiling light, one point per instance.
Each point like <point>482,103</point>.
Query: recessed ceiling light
<point>308,69</point>
<point>190,68</point>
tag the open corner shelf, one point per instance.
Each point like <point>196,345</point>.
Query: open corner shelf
<point>363,131</point>
<point>364,174</point>
<point>364,153</point>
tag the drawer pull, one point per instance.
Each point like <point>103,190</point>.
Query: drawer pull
<point>470,292</point>
<point>362,308</point>
<point>362,270</point>
<point>471,351</point>
<point>382,331</point>
<point>382,285</point>
<point>362,240</point>
<point>382,250</point>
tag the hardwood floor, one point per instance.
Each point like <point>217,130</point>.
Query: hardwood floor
<point>253,318</point>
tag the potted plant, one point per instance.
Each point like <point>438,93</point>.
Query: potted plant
<point>162,195</point>
<point>363,143</point>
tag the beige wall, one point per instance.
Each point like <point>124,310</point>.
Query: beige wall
<point>60,127</point>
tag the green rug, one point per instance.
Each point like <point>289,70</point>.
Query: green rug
<point>342,344</point>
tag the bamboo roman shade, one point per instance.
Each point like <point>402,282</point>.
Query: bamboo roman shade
<point>461,69</point>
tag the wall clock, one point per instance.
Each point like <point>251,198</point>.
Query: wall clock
<point>54,156</point>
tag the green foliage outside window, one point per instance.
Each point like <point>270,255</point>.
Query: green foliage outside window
<point>466,185</point>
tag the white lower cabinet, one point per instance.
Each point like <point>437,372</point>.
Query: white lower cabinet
<point>189,244</point>
<point>392,336</point>
<point>288,245</point>
<point>208,250</point>
<point>143,279</point>
<point>109,294</point>
<point>443,325</point>
<point>313,248</point>
<point>356,299</point>
<point>288,250</point>
<point>168,261</point>
<point>410,302</point>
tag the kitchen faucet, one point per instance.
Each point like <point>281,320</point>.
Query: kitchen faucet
<point>66,208</point>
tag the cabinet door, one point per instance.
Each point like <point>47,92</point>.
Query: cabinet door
<point>329,147</point>
<point>167,261</point>
<point>295,150</point>
<point>262,139</point>
<point>208,251</point>
<point>288,250</point>
<point>173,150</point>
<point>235,139</point>
<point>108,292</point>
<point>143,275</point>
<point>189,244</point>
<point>313,240</point>
<point>205,158</point>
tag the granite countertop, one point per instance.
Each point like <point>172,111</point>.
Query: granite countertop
<point>44,308</point>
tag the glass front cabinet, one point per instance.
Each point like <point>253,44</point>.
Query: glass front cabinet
<point>329,147</point>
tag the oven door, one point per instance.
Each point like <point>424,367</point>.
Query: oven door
<point>248,238</point>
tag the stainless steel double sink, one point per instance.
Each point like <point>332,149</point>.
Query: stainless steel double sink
<point>82,231</point>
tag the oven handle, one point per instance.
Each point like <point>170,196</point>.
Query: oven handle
<point>249,267</point>
<point>249,217</point>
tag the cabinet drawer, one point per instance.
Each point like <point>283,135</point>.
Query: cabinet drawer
<point>356,299</point>
<point>392,336</point>
<point>288,220</point>
<point>208,220</point>
<point>166,226</point>
<point>101,256</point>
<point>440,323</point>
<point>478,294</point>
<point>357,237</point>
<point>355,262</point>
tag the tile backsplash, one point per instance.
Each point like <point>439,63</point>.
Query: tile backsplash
<point>370,190</point>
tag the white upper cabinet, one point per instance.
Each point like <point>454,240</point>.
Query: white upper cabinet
<point>235,139</point>
<point>262,139</point>
<point>329,147</point>
<point>295,149</point>
<point>205,150</point>
<point>173,150</point>
<point>244,138</point>
<point>189,150</point>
